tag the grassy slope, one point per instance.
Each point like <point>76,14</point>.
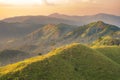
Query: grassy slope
<point>111,52</point>
<point>72,62</point>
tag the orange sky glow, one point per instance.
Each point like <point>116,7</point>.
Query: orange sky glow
<point>10,8</point>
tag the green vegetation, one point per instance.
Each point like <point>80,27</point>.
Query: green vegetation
<point>111,52</point>
<point>96,29</point>
<point>91,32</point>
<point>51,36</point>
<point>71,62</point>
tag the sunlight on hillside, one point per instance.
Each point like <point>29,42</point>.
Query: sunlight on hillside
<point>20,65</point>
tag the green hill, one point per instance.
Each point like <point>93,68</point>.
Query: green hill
<point>43,38</point>
<point>71,62</point>
<point>111,52</point>
<point>91,32</point>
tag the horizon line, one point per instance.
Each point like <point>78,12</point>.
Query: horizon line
<point>57,14</point>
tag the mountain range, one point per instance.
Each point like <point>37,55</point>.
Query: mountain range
<point>82,20</point>
<point>14,27</point>
<point>57,18</point>
<point>30,47</point>
<point>52,36</point>
<point>9,31</point>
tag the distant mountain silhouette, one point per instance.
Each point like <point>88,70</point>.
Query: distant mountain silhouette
<point>81,20</point>
<point>38,20</point>
<point>10,31</point>
<point>57,18</point>
<point>20,26</point>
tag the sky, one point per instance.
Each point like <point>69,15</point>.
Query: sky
<point>10,8</point>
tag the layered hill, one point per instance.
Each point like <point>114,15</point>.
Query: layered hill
<point>38,20</point>
<point>44,38</point>
<point>90,32</point>
<point>10,31</point>
<point>51,32</point>
<point>81,20</point>
<point>52,36</point>
<point>57,18</point>
<point>71,62</point>
<point>20,26</point>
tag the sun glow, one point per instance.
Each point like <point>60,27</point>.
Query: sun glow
<point>46,7</point>
<point>24,2</point>
<point>21,2</point>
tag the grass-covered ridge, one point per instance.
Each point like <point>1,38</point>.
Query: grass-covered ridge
<point>113,52</point>
<point>71,62</point>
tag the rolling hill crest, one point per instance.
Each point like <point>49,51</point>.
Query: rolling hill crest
<point>73,61</point>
